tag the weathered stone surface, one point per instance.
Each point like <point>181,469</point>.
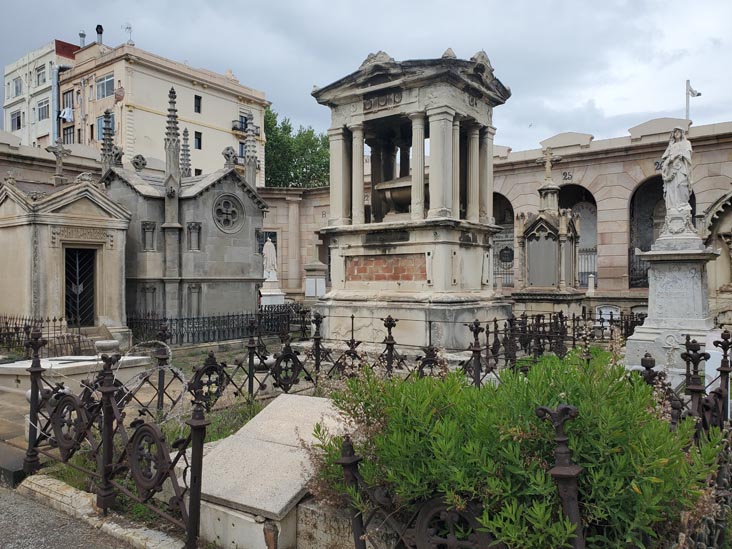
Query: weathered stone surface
<point>263,468</point>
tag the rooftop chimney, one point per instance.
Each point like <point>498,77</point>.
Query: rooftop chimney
<point>100,30</point>
<point>82,39</point>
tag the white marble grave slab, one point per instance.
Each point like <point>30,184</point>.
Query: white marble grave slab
<point>262,469</point>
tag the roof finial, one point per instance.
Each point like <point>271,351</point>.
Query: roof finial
<point>185,156</point>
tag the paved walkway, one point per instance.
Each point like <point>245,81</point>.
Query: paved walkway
<point>25,523</point>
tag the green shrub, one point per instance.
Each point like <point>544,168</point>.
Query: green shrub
<point>432,436</point>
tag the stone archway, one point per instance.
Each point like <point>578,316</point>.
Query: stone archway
<point>647,214</point>
<point>582,202</point>
<point>503,242</point>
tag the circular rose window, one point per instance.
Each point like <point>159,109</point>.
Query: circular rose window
<point>228,213</point>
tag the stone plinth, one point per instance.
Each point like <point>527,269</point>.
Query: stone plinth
<point>437,269</point>
<point>271,293</point>
<point>678,304</point>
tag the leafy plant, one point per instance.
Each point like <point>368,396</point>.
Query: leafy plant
<point>429,436</point>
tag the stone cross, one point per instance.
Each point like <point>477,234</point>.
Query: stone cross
<point>60,152</point>
<point>549,159</point>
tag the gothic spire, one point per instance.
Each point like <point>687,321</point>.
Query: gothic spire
<point>185,156</point>
<point>107,141</point>
<point>172,138</point>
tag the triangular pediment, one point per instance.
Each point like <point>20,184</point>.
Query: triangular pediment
<point>11,205</point>
<point>541,226</point>
<point>83,200</point>
<point>218,177</point>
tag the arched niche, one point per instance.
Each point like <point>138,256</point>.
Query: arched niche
<point>582,202</point>
<point>503,242</point>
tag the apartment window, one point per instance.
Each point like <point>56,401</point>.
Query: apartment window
<point>197,172</point>
<point>198,140</point>
<point>100,127</point>
<point>17,86</point>
<point>68,135</point>
<point>78,136</point>
<point>40,76</point>
<point>242,149</point>
<point>43,110</point>
<point>67,100</point>
<point>15,121</point>
<point>105,86</point>
<point>197,103</point>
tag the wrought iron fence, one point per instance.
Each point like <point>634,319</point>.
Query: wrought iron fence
<point>503,262</point>
<point>587,265</point>
<point>638,269</point>
<point>62,424</point>
<point>270,319</point>
<point>62,340</point>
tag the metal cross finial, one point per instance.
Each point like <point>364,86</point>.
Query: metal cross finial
<point>60,152</point>
<point>548,159</point>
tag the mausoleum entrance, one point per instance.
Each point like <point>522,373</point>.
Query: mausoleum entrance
<point>80,286</point>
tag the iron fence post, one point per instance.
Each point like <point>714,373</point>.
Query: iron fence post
<point>724,368</point>
<point>251,351</point>
<point>198,424</point>
<point>349,461</point>
<point>162,355</point>
<point>564,472</point>
<point>476,329</point>
<point>694,380</point>
<point>105,492</point>
<point>31,462</point>
<point>389,323</point>
<point>317,338</point>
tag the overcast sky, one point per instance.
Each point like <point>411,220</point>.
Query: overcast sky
<point>590,66</point>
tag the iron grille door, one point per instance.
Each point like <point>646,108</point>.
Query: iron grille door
<point>80,286</point>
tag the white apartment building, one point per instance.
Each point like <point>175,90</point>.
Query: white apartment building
<point>28,105</point>
<point>134,83</point>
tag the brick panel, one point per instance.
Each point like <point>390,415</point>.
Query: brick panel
<point>386,268</point>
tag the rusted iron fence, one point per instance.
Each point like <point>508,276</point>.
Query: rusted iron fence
<point>62,340</point>
<point>62,424</point>
<point>270,319</point>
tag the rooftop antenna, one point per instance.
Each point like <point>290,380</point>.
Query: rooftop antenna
<point>127,27</point>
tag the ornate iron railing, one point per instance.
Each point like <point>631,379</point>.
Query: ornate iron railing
<point>15,332</point>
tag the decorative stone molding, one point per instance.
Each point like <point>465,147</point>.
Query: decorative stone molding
<point>194,236</point>
<point>228,213</point>
<point>83,234</point>
<point>139,162</point>
<point>148,236</point>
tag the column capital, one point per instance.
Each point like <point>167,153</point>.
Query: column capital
<point>357,127</point>
<point>418,116</point>
<point>474,128</point>
<point>488,132</point>
<point>441,112</point>
<point>336,132</point>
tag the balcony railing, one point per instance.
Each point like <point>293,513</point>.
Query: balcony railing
<point>239,126</point>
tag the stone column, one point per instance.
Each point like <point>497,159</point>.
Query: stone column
<point>456,167</point>
<point>562,262</point>
<point>418,167</point>
<point>440,161</point>
<point>388,160</point>
<point>377,176</point>
<point>473,173</point>
<point>404,158</point>
<point>357,210</point>
<point>339,178</point>
<point>294,269</point>
<point>486,175</point>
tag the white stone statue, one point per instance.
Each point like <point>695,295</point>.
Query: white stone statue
<point>270,260</point>
<point>676,172</point>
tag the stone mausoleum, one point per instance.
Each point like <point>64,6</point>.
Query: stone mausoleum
<point>420,243</point>
<point>192,242</point>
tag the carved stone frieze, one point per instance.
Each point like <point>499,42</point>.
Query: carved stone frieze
<point>84,234</point>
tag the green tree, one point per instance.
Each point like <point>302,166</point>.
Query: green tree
<point>294,158</point>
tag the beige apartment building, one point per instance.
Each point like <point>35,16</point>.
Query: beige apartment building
<point>133,84</point>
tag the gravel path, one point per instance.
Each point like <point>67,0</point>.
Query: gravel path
<point>25,523</point>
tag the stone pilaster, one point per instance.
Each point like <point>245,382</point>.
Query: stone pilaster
<point>418,167</point>
<point>340,191</point>
<point>357,174</point>
<point>473,173</point>
<point>486,174</point>
<point>440,183</point>
<point>294,266</point>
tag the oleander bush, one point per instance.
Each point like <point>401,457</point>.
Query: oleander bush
<point>434,436</point>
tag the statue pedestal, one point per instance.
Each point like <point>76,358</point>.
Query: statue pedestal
<point>271,293</point>
<point>678,303</point>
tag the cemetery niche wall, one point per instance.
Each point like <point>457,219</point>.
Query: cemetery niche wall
<point>422,242</point>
